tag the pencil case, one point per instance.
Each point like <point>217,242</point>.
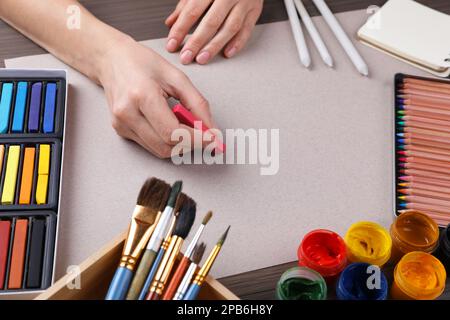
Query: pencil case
<point>33,105</point>
<point>27,246</point>
<point>399,169</point>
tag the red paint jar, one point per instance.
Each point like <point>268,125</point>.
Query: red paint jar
<point>323,251</point>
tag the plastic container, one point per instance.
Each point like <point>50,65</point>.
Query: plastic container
<point>355,283</point>
<point>301,283</point>
<point>413,231</point>
<point>368,242</point>
<point>418,276</point>
<point>443,252</point>
<point>323,251</point>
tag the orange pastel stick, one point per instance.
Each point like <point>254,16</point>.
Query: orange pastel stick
<point>26,184</point>
<point>18,254</point>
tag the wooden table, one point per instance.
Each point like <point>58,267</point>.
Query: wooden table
<point>143,20</point>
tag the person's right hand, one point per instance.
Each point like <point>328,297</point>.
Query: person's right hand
<point>137,82</point>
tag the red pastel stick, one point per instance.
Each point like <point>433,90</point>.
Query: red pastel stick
<point>187,118</point>
<point>5,231</point>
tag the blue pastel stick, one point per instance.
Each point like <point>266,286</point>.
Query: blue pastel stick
<point>49,108</point>
<point>19,107</point>
<point>35,107</point>
<point>5,106</point>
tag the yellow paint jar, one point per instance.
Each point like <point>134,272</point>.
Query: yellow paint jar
<point>413,231</point>
<point>418,276</point>
<point>368,242</point>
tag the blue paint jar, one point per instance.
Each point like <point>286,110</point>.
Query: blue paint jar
<point>362,281</point>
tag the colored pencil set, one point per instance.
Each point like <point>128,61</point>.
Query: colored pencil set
<point>423,146</point>
<point>32,110</point>
<point>152,266</point>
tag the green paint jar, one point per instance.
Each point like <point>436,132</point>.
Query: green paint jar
<point>301,283</point>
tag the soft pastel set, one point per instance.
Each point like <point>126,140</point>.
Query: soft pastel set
<point>32,115</point>
<point>412,254</point>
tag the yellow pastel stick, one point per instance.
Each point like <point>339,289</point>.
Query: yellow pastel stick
<point>12,165</point>
<point>43,172</point>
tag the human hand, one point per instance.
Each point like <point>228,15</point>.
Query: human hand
<point>224,24</point>
<point>137,82</point>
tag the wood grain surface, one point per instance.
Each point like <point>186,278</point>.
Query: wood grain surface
<point>144,19</point>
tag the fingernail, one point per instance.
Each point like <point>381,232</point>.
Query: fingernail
<point>231,52</point>
<point>203,57</point>
<point>186,57</point>
<point>172,45</point>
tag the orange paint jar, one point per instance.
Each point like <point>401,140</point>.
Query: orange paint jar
<point>413,231</point>
<point>418,276</point>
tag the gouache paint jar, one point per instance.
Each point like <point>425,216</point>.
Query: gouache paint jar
<point>323,251</point>
<point>443,252</point>
<point>301,283</point>
<point>357,282</point>
<point>418,276</point>
<point>413,231</point>
<point>368,242</point>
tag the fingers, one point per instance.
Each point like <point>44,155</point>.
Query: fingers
<point>208,27</point>
<point>240,39</point>
<point>231,27</point>
<point>174,15</point>
<point>182,88</point>
<point>191,12</point>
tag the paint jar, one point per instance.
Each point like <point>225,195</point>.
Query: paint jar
<point>418,276</point>
<point>413,231</point>
<point>443,252</point>
<point>368,242</point>
<point>362,281</point>
<point>323,251</point>
<point>300,283</point>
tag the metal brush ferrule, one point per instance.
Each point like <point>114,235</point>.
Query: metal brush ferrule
<point>201,275</point>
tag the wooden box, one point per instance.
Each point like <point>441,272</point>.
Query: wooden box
<point>96,272</point>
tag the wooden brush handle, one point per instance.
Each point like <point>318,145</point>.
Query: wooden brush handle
<point>176,279</point>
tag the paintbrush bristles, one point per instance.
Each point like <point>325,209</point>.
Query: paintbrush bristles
<point>180,201</point>
<point>186,218</point>
<point>154,194</point>
<point>223,237</point>
<point>176,189</point>
<point>207,217</point>
<point>198,253</point>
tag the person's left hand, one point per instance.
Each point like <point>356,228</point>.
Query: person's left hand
<point>226,24</point>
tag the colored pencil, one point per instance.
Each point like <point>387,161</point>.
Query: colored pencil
<point>424,120</point>
<point>424,193</point>
<point>424,155</point>
<point>423,167</point>
<point>423,125</point>
<point>428,109</point>
<point>425,200</point>
<point>425,207</point>
<point>427,174</point>
<point>423,187</point>
<point>434,84</point>
<point>435,182</point>
<point>419,160</point>
<point>411,147</point>
<point>424,101</point>
<point>421,142</point>
<point>424,94</point>
<point>424,87</point>
<point>407,135</point>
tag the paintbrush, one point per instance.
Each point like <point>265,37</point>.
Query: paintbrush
<point>201,275</point>
<point>182,228</point>
<point>151,200</point>
<point>196,258</point>
<point>185,261</point>
<point>149,254</point>
<point>165,245</point>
